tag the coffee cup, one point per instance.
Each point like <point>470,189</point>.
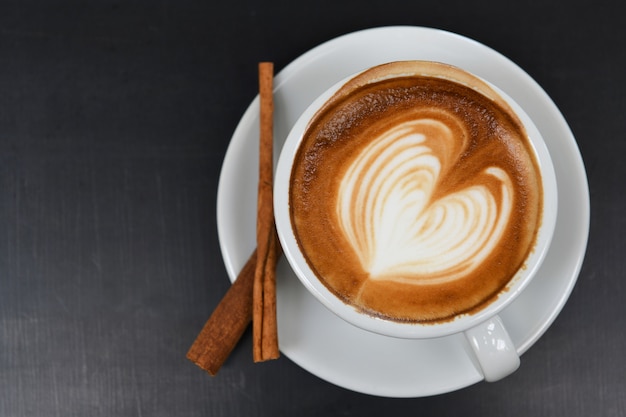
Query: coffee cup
<point>416,200</point>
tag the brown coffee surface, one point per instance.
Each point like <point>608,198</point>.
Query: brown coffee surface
<point>415,198</point>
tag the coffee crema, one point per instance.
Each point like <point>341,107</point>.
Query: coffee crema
<point>415,197</point>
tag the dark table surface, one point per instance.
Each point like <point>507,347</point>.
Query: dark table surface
<point>115,118</point>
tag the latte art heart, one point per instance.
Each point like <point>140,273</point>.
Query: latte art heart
<point>399,231</point>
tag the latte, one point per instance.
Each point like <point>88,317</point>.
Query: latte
<point>415,198</point>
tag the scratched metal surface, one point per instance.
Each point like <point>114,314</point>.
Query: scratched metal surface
<point>114,121</point>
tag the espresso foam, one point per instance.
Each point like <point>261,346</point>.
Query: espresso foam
<point>415,198</point>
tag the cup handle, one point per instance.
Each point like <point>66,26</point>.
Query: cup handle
<point>493,348</point>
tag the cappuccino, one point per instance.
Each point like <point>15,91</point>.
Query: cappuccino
<point>415,194</point>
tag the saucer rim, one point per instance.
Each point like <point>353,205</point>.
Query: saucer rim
<point>235,261</point>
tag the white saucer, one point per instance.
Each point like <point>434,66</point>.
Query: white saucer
<point>319,341</point>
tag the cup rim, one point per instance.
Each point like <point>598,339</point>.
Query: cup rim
<point>388,327</point>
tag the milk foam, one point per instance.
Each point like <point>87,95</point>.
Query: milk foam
<point>415,198</point>
<point>399,231</point>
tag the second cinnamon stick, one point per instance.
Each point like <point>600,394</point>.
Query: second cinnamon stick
<point>225,326</point>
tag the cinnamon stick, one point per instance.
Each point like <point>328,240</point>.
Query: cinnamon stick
<point>227,323</point>
<point>264,325</point>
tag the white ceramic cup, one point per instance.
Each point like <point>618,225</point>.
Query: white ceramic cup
<point>495,353</point>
